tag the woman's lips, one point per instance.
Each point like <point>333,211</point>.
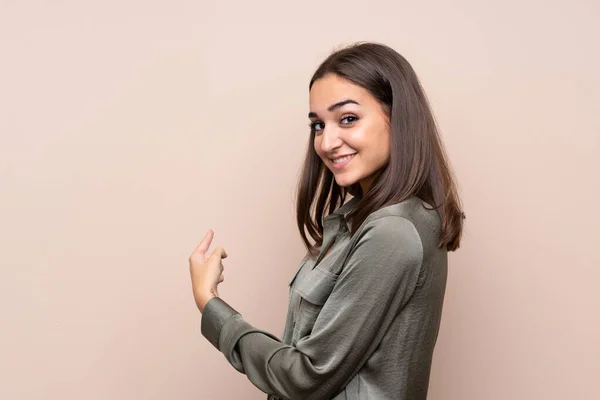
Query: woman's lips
<point>341,162</point>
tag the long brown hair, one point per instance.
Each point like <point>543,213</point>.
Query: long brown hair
<point>418,165</point>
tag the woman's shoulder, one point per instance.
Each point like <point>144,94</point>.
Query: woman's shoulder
<point>413,209</point>
<point>421,217</point>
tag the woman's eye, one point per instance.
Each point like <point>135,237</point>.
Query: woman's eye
<point>349,119</point>
<point>316,126</point>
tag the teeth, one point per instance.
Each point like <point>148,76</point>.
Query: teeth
<point>342,159</point>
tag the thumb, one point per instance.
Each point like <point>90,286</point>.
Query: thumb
<point>219,252</point>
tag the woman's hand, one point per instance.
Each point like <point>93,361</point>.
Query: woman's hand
<point>206,272</point>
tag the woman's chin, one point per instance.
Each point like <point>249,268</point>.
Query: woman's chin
<point>344,182</point>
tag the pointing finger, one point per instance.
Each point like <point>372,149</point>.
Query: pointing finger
<point>205,243</point>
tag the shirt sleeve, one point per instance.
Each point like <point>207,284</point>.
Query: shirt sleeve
<point>377,280</point>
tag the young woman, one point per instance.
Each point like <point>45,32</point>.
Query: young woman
<point>366,302</point>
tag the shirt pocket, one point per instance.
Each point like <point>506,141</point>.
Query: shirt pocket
<point>313,292</point>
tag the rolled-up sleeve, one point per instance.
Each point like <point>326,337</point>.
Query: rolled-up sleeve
<point>375,283</point>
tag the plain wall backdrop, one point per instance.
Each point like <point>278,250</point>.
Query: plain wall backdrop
<point>129,128</point>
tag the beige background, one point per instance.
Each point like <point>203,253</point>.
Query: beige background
<point>129,128</point>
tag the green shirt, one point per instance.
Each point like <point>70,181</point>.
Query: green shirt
<point>362,321</point>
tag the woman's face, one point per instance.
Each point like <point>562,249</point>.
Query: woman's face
<point>352,134</point>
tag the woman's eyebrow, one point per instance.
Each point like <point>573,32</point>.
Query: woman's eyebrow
<point>335,106</point>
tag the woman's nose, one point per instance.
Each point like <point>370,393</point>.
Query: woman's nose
<point>330,139</point>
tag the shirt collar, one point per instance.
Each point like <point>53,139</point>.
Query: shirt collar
<point>344,209</point>
<point>336,221</point>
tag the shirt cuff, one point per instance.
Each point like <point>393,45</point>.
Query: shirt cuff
<point>216,313</point>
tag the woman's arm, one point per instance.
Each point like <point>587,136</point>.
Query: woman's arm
<point>377,281</point>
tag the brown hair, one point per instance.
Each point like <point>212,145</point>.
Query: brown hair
<point>418,165</point>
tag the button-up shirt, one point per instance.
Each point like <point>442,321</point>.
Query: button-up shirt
<point>363,316</point>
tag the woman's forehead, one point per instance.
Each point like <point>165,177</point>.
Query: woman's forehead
<point>331,90</point>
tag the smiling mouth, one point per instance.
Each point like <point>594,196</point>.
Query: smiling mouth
<point>342,161</point>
